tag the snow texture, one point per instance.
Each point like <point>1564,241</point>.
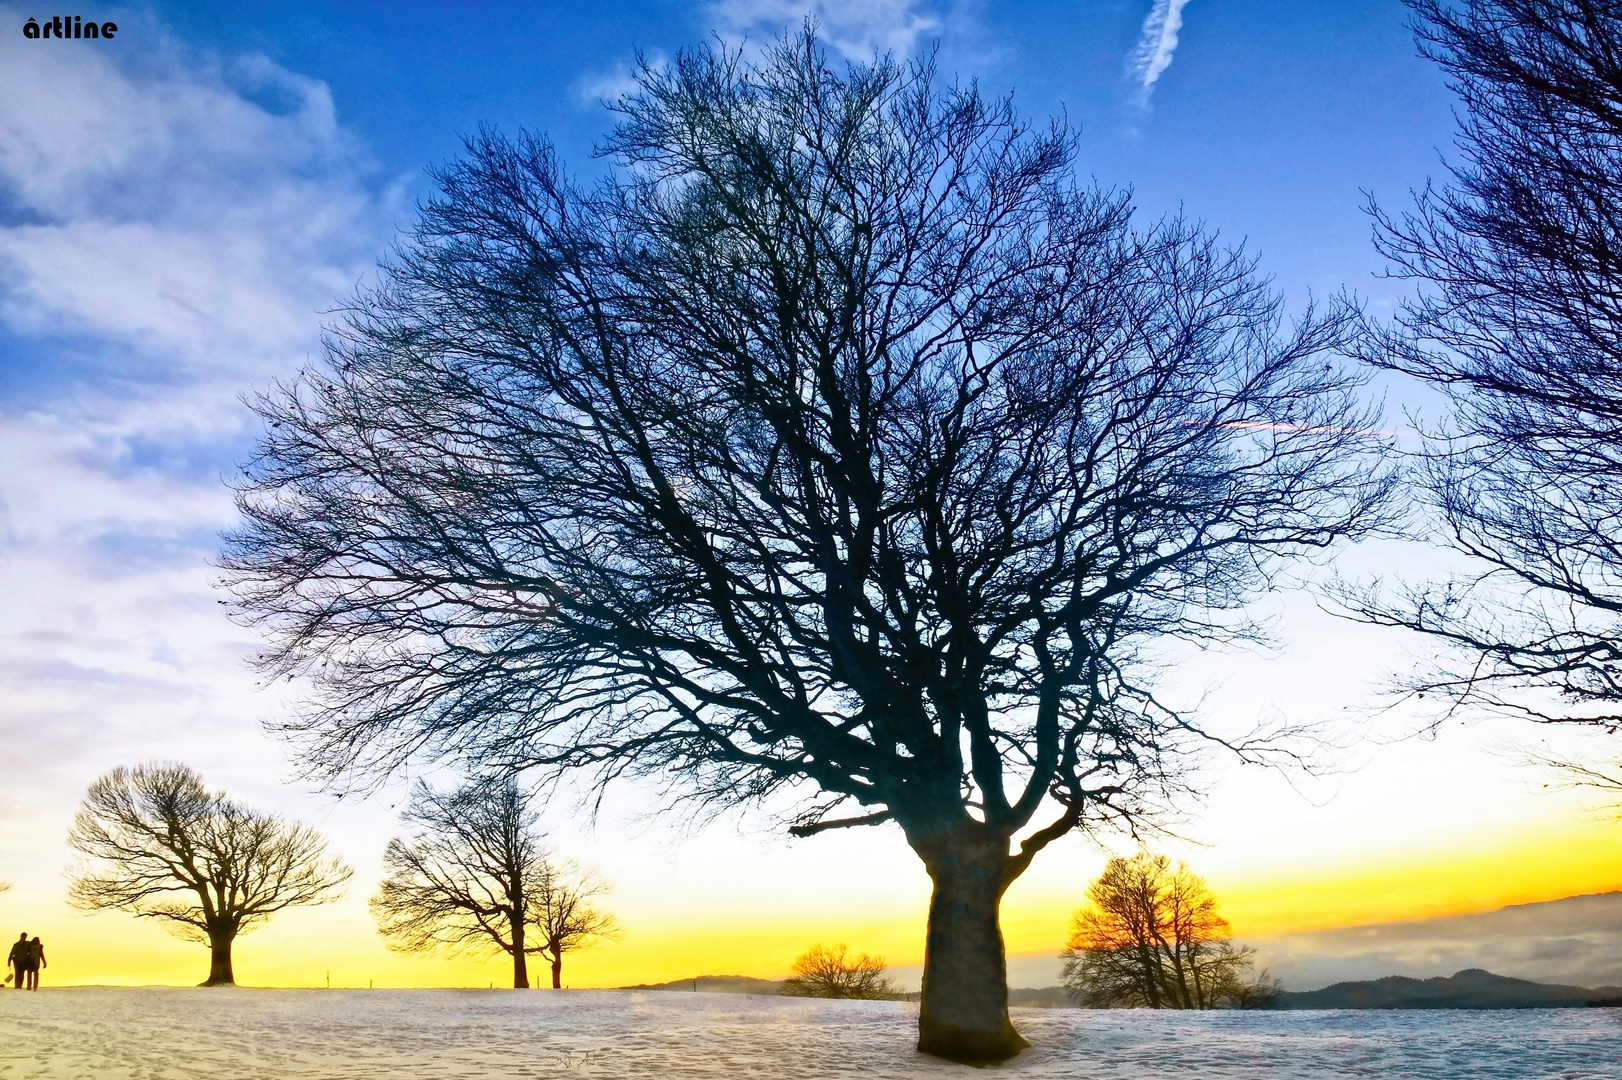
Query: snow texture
<point>167,1034</point>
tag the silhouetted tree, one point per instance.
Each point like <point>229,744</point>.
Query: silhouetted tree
<point>162,846</point>
<point>834,442</point>
<point>469,877</point>
<point>1518,323</point>
<point>827,973</point>
<point>565,918</point>
<point>1151,938</point>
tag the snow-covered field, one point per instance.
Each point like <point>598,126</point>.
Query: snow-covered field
<point>167,1034</point>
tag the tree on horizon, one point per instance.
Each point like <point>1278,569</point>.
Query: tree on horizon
<point>565,914</point>
<point>835,445</point>
<point>160,845</point>
<point>475,875</point>
<point>1151,937</point>
<point>825,972</point>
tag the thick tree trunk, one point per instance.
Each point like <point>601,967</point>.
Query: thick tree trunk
<point>219,962</point>
<point>557,972</point>
<point>963,1015</point>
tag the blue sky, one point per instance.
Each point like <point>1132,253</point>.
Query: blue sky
<point>1265,118</point>
<point>178,207</point>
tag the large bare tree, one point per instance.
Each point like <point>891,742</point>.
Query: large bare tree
<point>1517,321</point>
<point>834,445</point>
<point>161,846</point>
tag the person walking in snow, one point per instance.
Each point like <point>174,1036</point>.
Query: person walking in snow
<point>36,960</point>
<point>21,950</point>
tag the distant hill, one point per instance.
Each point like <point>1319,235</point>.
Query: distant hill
<point>1052,997</point>
<point>1049,997</point>
<point>1576,941</point>
<point>1469,989</point>
<point>715,984</point>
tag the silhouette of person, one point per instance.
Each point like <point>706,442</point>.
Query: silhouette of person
<point>36,960</point>
<point>17,959</point>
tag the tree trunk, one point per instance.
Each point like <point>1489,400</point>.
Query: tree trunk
<point>219,962</point>
<point>520,959</point>
<point>963,1015</point>
<point>557,971</point>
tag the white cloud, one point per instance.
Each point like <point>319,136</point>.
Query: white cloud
<point>172,225</point>
<point>856,29</point>
<point>1157,44</point>
<point>1576,941</point>
<point>614,83</point>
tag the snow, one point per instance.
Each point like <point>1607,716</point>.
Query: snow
<point>169,1034</point>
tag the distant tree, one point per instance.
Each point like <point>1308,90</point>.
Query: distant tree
<point>161,846</point>
<point>1518,324</point>
<point>470,876</point>
<point>827,973</point>
<point>565,919</point>
<point>1151,938</point>
<point>834,442</point>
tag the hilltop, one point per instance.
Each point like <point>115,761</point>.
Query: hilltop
<point>1469,989</point>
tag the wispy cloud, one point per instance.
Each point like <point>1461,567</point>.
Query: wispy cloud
<point>854,28</point>
<point>613,83</point>
<point>172,225</point>
<point>1156,45</point>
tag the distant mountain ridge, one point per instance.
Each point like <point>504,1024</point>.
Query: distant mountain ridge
<point>1575,941</point>
<point>1051,997</point>
<point>1472,988</point>
<point>714,984</point>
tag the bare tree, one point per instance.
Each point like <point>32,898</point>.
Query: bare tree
<point>1518,322</point>
<point>469,878</point>
<point>162,846</point>
<point>565,918</point>
<point>1152,939</point>
<point>835,445</point>
<point>827,973</point>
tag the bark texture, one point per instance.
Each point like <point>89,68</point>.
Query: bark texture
<point>520,960</point>
<point>963,1013</point>
<point>219,961</point>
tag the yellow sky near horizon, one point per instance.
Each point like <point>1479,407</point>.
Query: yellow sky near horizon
<point>1396,828</point>
<point>667,940</point>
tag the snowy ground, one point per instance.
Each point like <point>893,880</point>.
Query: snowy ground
<point>168,1034</point>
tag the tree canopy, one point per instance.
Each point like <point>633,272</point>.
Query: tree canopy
<point>826,972</point>
<point>836,443</point>
<point>160,845</point>
<point>1151,937</point>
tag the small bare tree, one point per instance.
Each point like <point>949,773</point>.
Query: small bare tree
<point>162,846</point>
<point>564,917</point>
<point>1152,939</point>
<point>469,876</point>
<point>826,973</point>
